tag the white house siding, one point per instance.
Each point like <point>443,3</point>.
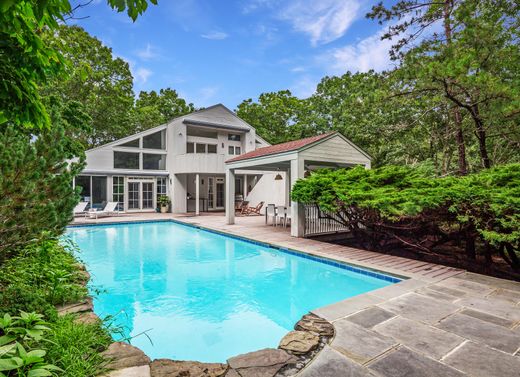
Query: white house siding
<point>269,191</point>
<point>338,150</point>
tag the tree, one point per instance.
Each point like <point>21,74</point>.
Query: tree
<point>36,171</point>
<point>277,116</point>
<point>102,83</point>
<point>472,64</point>
<point>152,109</point>
<point>28,62</point>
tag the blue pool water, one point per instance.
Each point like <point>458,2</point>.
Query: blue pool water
<point>203,296</point>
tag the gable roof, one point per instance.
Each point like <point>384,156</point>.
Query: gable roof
<point>283,147</point>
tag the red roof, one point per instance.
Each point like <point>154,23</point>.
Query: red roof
<point>280,148</point>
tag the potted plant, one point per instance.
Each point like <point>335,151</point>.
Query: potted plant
<point>163,201</point>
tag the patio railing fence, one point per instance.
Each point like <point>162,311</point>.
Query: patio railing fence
<point>319,222</point>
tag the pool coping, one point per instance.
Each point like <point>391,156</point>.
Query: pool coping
<point>363,270</point>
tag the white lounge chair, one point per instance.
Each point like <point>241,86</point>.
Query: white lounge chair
<point>80,208</point>
<point>109,209</point>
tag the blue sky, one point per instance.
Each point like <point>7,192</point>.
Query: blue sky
<point>228,51</point>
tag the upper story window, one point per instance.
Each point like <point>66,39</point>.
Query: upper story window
<point>201,132</point>
<point>233,137</point>
<point>132,144</point>
<point>157,140</point>
<point>200,148</point>
<point>153,161</point>
<point>233,150</point>
<point>126,160</point>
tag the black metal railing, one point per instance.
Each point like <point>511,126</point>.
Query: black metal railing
<point>321,222</point>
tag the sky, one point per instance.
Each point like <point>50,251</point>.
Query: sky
<point>215,51</point>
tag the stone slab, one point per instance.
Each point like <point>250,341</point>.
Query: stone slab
<point>426,291</point>
<point>315,324</point>
<point>398,289</point>
<point>420,337</point>
<point>488,318</point>
<point>330,363</point>
<point>141,371</point>
<point>420,308</point>
<point>490,281</point>
<point>359,343</point>
<point>447,291</point>
<point>506,295</point>
<point>173,368</point>
<point>407,363</point>
<point>481,361</point>
<point>263,363</point>
<point>370,317</point>
<point>123,355</point>
<point>494,307</point>
<point>299,342</point>
<point>78,307</point>
<point>481,331</point>
<point>471,288</point>
<point>344,308</point>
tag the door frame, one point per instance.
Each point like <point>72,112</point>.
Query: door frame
<point>140,181</point>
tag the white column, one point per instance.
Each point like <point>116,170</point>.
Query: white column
<point>245,186</point>
<point>297,211</point>
<point>288,188</point>
<point>230,196</point>
<point>197,194</point>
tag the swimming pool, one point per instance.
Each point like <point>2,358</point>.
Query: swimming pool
<point>204,296</point>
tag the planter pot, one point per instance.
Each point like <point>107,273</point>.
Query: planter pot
<point>164,209</point>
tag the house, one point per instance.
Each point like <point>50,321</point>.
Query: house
<point>208,160</point>
<point>183,159</point>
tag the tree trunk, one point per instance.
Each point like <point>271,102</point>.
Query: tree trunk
<point>463,166</point>
<point>481,136</point>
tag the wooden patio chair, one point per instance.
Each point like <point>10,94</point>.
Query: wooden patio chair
<point>244,207</point>
<point>254,210</point>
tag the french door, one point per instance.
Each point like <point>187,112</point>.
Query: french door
<point>141,195</point>
<point>216,193</point>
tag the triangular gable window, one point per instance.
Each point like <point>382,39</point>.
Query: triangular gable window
<point>132,144</point>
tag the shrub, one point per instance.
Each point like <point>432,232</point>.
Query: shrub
<point>43,275</point>
<point>397,207</point>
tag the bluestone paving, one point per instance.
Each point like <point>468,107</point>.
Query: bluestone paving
<point>330,363</point>
<point>447,291</point>
<point>481,331</point>
<point>480,361</point>
<point>488,318</point>
<point>491,281</point>
<point>512,297</point>
<point>358,343</point>
<point>469,287</point>
<point>419,308</point>
<point>344,308</point>
<point>426,339</point>
<point>494,307</point>
<point>426,291</point>
<point>407,363</point>
<point>370,317</point>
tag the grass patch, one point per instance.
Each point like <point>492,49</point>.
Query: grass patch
<point>76,347</point>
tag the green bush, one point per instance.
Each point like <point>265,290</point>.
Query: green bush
<point>43,275</point>
<point>398,207</point>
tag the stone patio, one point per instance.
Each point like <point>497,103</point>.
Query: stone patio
<point>440,321</point>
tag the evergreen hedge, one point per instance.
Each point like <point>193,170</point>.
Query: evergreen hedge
<point>473,219</point>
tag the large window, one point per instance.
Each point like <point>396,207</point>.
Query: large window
<point>200,148</point>
<point>93,190</point>
<point>118,192</point>
<point>212,148</point>
<point>200,132</point>
<point>190,148</point>
<point>126,160</point>
<point>156,140</point>
<point>83,181</point>
<point>154,161</point>
<point>233,137</point>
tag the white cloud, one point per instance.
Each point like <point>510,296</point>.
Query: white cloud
<point>324,21</point>
<point>369,53</point>
<point>148,53</point>
<point>215,35</point>
<point>141,75</point>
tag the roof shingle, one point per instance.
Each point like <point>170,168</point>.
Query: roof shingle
<point>280,148</point>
